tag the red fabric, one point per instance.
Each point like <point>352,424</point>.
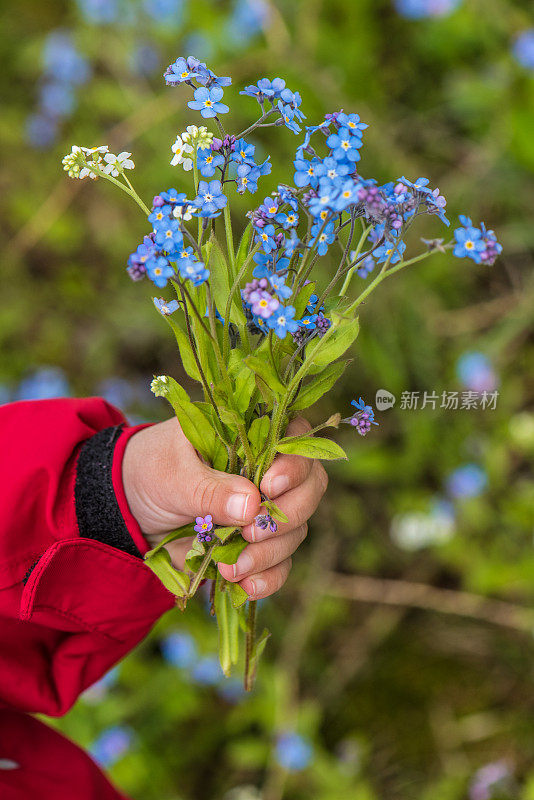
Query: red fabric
<point>45,765</point>
<point>85,604</point>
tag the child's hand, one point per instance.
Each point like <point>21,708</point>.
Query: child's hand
<point>167,486</point>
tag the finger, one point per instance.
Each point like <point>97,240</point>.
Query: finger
<point>298,505</point>
<point>230,499</point>
<point>262,584</point>
<point>171,485</point>
<point>260,556</point>
<point>178,551</point>
<point>287,472</point>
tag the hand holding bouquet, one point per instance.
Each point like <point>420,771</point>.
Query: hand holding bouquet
<point>262,336</point>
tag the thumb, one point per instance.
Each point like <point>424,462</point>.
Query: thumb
<point>230,499</point>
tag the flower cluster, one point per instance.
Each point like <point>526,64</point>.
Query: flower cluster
<point>203,527</point>
<point>253,375</point>
<point>363,417</point>
<point>83,162</point>
<point>264,522</point>
<point>280,99</point>
<point>164,253</point>
<point>479,244</point>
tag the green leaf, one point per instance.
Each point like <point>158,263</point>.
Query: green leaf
<point>258,433</point>
<point>221,282</point>
<point>311,447</point>
<point>237,594</point>
<point>257,650</point>
<point>195,556</point>
<point>319,385</point>
<point>276,513</point>
<point>245,385</point>
<point>266,372</point>
<point>229,553</point>
<point>335,343</point>
<point>186,352</point>
<point>228,625</point>
<point>303,298</point>
<point>244,246</point>
<point>195,425</point>
<point>175,581</point>
<point>224,533</point>
<point>179,533</point>
<point>219,277</point>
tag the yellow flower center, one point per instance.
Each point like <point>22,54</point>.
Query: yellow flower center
<point>469,245</point>
<point>345,145</point>
<point>207,103</point>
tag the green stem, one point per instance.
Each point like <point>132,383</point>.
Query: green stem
<point>357,252</point>
<point>229,237</point>
<point>249,645</point>
<point>195,185</point>
<point>235,286</point>
<point>129,191</point>
<point>202,570</point>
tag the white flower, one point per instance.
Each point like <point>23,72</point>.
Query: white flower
<point>160,385</point>
<point>71,162</point>
<point>190,133</point>
<point>115,165</point>
<point>202,137</point>
<point>93,156</point>
<point>184,212</point>
<point>180,149</point>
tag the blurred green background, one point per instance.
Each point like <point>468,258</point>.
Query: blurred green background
<point>401,660</point>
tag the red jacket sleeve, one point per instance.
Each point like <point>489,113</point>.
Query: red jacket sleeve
<point>75,595</point>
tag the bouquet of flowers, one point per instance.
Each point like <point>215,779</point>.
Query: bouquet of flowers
<point>254,327</point>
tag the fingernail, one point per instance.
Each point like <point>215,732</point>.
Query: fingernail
<point>278,485</point>
<point>258,587</point>
<point>243,564</point>
<point>258,534</point>
<point>236,506</point>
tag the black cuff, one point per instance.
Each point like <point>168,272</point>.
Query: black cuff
<point>97,509</point>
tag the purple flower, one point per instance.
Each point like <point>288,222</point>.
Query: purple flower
<point>259,283</point>
<point>264,521</point>
<point>203,526</point>
<point>322,324</point>
<point>363,418</point>
<point>263,304</point>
